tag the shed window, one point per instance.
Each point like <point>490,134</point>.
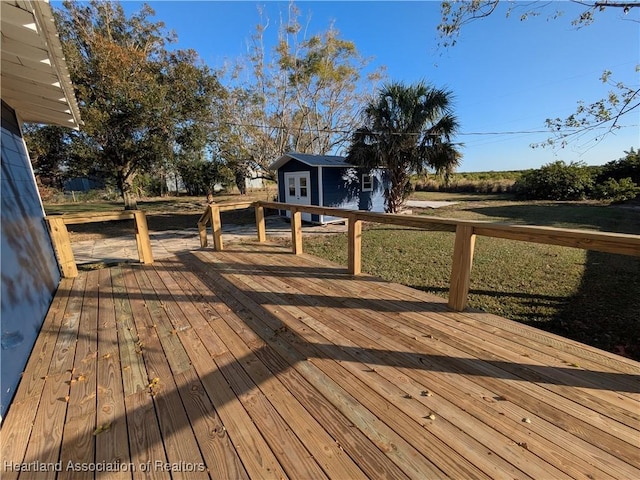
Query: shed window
<point>367,182</point>
<point>292,186</point>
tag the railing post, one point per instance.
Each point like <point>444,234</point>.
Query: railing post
<point>62,247</point>
<point>296,231</point>
<point>216,226</point>
<point>261,226</point>
<point>202,231</point>
<point>355,245</point>
<point>142,237</point>
<point>461,268</point>
<point>202,226</point>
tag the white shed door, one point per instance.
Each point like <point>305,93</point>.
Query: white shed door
<point>297,189</point>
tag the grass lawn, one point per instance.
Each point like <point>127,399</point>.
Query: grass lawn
<point>163,213</point>
<point>588,296</point>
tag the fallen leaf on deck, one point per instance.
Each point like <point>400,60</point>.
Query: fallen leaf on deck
<point>102,429</point>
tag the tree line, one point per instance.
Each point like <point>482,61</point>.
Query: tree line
<point>151,111</point>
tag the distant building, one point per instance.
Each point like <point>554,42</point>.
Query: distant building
<point>329,181</point>
<point>83,184</point>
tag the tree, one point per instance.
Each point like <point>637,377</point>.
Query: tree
<point>589,116</point>
<point>457,13</point>
<point>48,151</point>
<point>556,181</point>
<point>303,96</point>
<point>201,176</point>
<point>626,167</point>
<point>142,106</point>
<point>406,129</point>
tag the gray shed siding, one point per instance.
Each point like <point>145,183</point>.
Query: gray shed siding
<point>30,273</point>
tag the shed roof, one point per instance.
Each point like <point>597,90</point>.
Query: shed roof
<point>311,160</point>
<point>35,79</point>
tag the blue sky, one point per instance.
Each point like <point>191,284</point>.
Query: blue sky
<point>506,75</point>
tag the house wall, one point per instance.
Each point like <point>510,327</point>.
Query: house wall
<point>29,270</point>
<point>83,184</point>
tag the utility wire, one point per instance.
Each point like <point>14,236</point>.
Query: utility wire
<point>348,132</point>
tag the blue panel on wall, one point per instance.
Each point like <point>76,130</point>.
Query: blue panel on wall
<point>341,187</point>
<point>30,273</point>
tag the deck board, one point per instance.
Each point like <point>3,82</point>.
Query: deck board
<point>112,443</point>
<point>253,363</point>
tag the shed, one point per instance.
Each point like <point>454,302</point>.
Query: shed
<point>328,181</point>
<point>36,87</point>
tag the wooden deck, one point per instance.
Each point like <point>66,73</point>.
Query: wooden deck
<point>255,363</point>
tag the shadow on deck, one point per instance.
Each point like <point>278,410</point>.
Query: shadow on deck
<point>253,363</point>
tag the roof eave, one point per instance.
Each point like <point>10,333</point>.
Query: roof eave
<point>44,15</point>
<point>35,79</point>
<point>301,158</point>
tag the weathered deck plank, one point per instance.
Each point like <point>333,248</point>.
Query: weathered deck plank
<point>465,447</point>
<point>251,363</point>
<point>338,427</point>
<point>333,327</point>
<point>178,439</point>
<point>112,444</point>
<point>79,425</point>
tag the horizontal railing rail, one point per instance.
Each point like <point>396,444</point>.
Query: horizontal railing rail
<point>464,242</point>
<point>62,242</point>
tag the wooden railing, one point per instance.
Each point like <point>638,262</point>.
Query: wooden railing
<point>464,243</point>
<point>62,242</point>
<point>212,215</point>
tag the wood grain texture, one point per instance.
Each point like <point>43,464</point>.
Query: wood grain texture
<point>112,443</point>
<point>354,239</point>
<point>296,231</point>
<point>62,247</point>
<point>216,226</point>
<point>16,430</point>
<point>142,238</point>
<point>261,227</point>
<point>461,267</point>
<point>78,444</point>
<point>255,363</point>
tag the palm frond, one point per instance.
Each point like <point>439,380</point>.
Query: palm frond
<point>407,128</point>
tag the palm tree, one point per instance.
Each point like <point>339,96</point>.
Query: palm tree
<point>407,129</point>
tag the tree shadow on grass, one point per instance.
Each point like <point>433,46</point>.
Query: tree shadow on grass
<point>604,311</point>
<point>568,215</point>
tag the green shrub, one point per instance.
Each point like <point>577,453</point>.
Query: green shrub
<point>556,181</point>
<point>617,191</point>
<point>627,167</point>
